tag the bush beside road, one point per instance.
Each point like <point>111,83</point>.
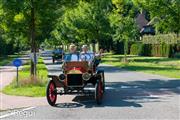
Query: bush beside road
<point>169,67</point>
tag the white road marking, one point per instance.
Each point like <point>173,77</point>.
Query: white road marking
<point>13,113</point>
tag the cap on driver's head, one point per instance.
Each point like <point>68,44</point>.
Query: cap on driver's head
<point>84,46</point>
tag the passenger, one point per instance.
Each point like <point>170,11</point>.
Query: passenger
<point>100,53</point>
<point>86,55</point>
<point>98,57</point>
<point>73,54</point>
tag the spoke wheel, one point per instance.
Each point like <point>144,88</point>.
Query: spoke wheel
<point>50,93</point>
<point>102,79</point>
<point>98,92</point>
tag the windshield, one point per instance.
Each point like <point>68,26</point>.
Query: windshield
<point>79,57</point>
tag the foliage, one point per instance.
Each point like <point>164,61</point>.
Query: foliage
<point>162,50</point>
<point>161,38</point>
<point>146,50</point>
<point>60,22</point>
<point>86,23</point>
<point>163,45</point>
<point>16,20</point>
<point>123,23</point>
<point>136,49</point>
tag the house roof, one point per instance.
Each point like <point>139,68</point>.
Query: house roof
<point>141,21</point>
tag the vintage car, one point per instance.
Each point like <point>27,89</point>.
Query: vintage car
<point>57,54</point>
<point>74,79</point>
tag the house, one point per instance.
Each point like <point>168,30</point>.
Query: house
<point>145,26</point>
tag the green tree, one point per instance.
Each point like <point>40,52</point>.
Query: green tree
<point>123,23</point>
<point>32,19</point>
<point>86,23</point>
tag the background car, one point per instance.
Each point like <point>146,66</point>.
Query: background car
<point>57,55</point>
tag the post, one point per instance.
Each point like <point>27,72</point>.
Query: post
<point>17,76</point>
<point>17,63</point>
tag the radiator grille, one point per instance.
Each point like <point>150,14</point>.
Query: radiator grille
<point>74,80</point>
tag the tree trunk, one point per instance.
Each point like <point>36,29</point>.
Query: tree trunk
<point>98,40</point>
<point>94,47</point>
<point>125,50</point>
<point>33,43</point>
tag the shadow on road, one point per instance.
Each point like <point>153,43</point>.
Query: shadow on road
<point>68,105</point>
<point>129,94</point>
<point>110,69</point>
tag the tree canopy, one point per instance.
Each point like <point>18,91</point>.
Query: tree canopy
<point>81,21</point>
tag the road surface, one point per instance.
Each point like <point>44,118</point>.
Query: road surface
<point>129,95</point>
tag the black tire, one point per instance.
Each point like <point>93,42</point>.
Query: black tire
<point>101,72</point>
<point>51,94</point>
<point>98,92</point>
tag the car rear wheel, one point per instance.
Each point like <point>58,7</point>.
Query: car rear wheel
<point>98,92</point>
<point>102,79</point>
<point>51,93</point>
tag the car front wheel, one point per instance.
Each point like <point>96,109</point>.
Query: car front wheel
<point>51,94</point>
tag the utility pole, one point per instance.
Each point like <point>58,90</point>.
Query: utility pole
<point>33,42</point>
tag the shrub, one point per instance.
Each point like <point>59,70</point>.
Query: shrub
<point>136,49</point>
<point>161,50</point>
<point>162,45</point>
<point>146,50</point>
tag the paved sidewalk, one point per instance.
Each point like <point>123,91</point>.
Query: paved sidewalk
<point>6,77</point>
<point>11,102</point>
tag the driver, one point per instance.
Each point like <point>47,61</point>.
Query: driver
<point>85,54</point>
<point>73,54</point>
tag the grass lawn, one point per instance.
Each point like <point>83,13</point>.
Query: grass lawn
<point>27,86</point>
<point>7,59</point>
<point>169,67</point>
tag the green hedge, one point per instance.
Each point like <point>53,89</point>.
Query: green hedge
<point>162,45</point>
<point>136,49</point>
<point>162,50</point>
<point>157,50</point>
<point>170,38</point>
<point>146,50</point>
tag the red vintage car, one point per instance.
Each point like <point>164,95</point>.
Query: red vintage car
<point>75,77</point>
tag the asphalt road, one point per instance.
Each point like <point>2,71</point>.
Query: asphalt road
<point>129,95</point>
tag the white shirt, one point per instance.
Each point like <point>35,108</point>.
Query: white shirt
<point>87,56</point>
<point>74,57</point>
